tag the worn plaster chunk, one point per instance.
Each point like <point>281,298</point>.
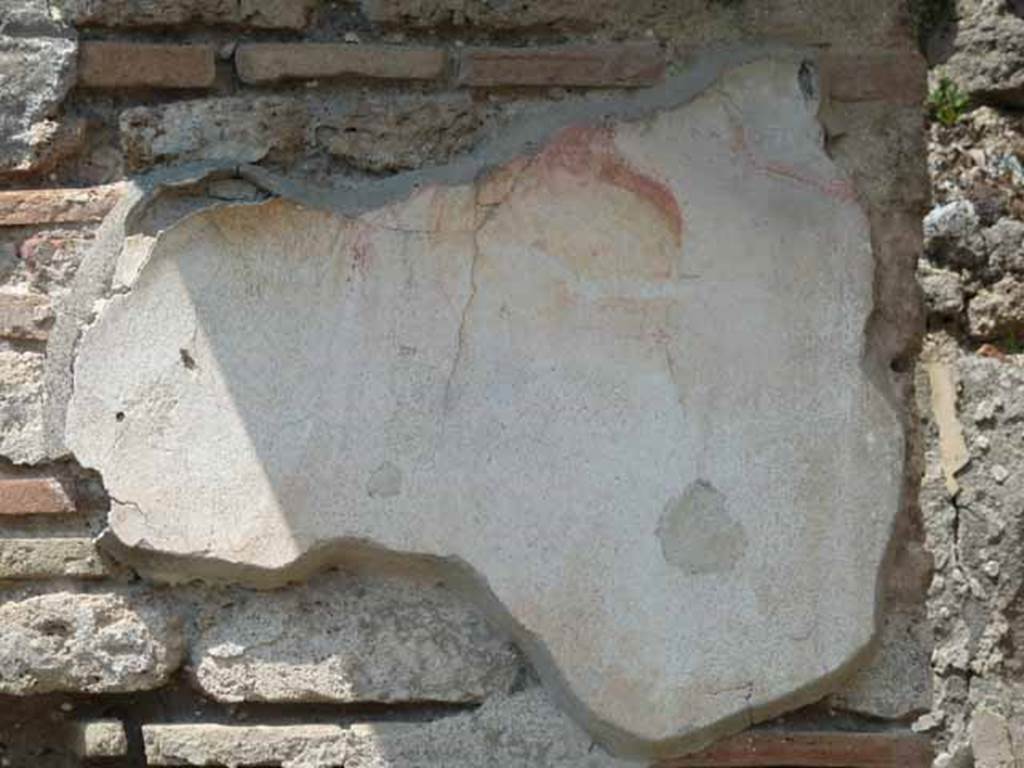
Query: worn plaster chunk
<point>427,646</point>
<point>550,360</point>
<point>101,643</point>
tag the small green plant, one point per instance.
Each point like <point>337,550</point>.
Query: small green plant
<point>1013,343</point>
<point>947,103</point>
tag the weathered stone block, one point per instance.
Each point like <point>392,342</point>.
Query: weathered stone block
<point>25,316</point>
<point>22,207</point>
<point>33,496</point>
<point>998,310</point>
<point>21,406</point>
<point>259,63</point>
<point>208,744</point>
<point>520,731</point>
<point>987,56</point>
<point>388,135</point>
<point>101,739</point>
<point>236,129</point>
<point>568,385</point>
<point>356,642</point>
<point>606,65</point>
<point>101,643</point>
<point>35,75</point>
<point>145,65</point>
<point>22,559</point>
<point>274,14</point>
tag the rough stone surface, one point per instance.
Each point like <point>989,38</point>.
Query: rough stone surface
<point>520,731</point>
<point>998,311</point>
<point>35,75</point>
<point>234,129</point>
<point>852,24</point>
<point>283,14</point>
<point>90,643</point>
<point>21,406</point>
<point>974,534</point>
<point>551,360</point>
<point>101,739</point>
<point>50,558</point>
<point>388,135</point>
<point>260,63</point>
<point>425,646</point>
<point>988,51</point>
<point>943,291</point>
<point>24,316</point>
<point>289,746</point>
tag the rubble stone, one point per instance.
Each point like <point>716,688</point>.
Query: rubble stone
<point>426,646</point>
<point>102,643</point>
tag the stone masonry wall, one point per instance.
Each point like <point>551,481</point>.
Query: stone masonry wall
<point>191,104</point>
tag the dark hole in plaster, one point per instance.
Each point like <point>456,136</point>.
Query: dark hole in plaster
<point>899,365</point>
<point>187,360</point>
<point>119,416</point>
<point>807,79</point>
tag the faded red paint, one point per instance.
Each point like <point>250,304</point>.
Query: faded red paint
<point>835,188</point>
<point>362,253</point>
<point>590,152</point>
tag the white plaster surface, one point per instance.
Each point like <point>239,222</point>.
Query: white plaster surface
<point>621,381</point>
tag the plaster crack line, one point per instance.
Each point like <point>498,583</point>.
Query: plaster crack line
<point>460,338</point>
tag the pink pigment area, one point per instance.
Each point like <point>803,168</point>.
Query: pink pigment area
<point>590,152</point>
<point>835,188</point>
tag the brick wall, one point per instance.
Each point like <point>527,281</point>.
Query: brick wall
<point>98,664</point>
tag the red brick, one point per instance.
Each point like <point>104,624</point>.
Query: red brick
<point>144,65</point>
<point>21,207</point>
<point>33,496</point>
<point>607,65</point>
<point>25,316</point>
<point>812,749</point>
<point>897,77</point>
<point>272,62</point>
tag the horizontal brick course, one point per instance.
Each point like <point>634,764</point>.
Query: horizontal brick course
<point>604,65</point>
<point>272,62</point>
<point>145,65</point>
<point>23,207</point>
<point>22,559</point>
<point>25,317</point>
<point>899,77</point>
<point>33,496</point>
<point>812,749</point>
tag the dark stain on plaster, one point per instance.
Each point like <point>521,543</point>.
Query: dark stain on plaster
<point>385,481</point>
<point>697,533</point>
